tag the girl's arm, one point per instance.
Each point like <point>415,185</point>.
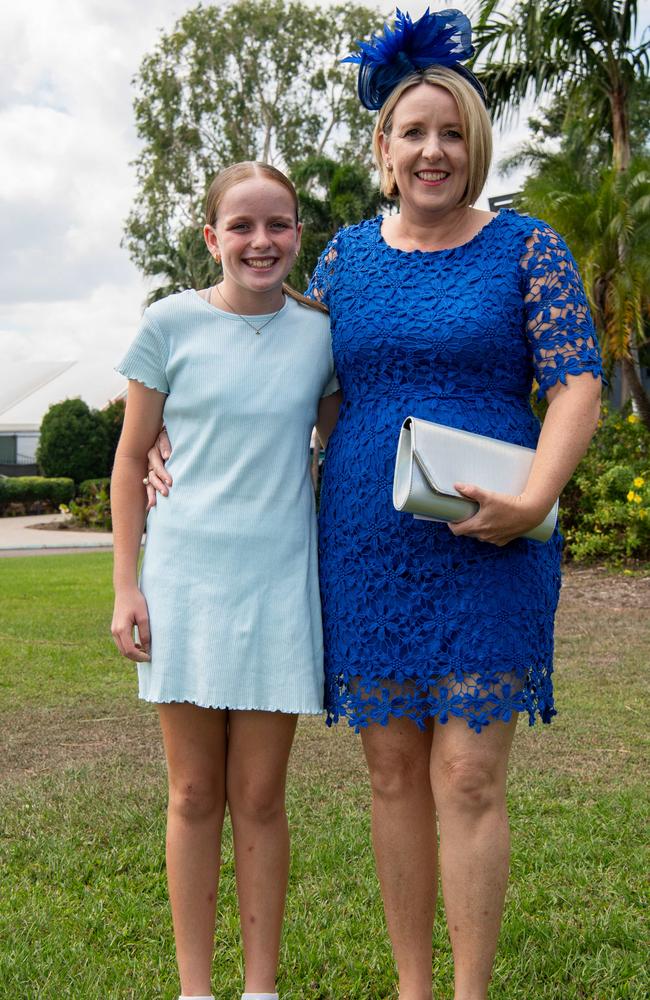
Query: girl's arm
<point>142,421</point>
<point>328,413</point>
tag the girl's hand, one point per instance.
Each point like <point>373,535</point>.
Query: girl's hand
<point>500,517</point>
<point>159,478</point>
<point>131,610</point>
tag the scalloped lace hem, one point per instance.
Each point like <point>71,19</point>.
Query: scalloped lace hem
<point>360,715</point>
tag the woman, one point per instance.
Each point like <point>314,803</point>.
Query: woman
<point>228,614</point>
<point>437,636</point>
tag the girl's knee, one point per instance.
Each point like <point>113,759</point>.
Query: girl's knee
<point>260,803</point>
<point>195,800</point>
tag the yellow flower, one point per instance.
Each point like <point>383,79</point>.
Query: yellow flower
<point>631,495</point>
<point>643,513</point>
<point>639,481</point>
<point>637,498</point>
<point>632,419</point>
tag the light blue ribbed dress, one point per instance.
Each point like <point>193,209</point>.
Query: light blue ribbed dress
<point>230,565</point>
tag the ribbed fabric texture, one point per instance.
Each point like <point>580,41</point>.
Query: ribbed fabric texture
<point>230,564</point>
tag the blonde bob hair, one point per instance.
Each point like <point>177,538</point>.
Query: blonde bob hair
<point>474,119</point>
<point>235,174</point>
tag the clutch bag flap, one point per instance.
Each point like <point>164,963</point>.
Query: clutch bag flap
<point>432,457</point>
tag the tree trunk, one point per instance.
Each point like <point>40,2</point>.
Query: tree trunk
<point>638,393</point>
<point>620,128</point>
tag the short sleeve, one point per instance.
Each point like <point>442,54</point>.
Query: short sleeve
<point>559,325</point>
<point>146,359</point>
<point>322,279</point>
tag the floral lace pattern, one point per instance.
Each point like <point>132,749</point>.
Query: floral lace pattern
<point>419,623</point>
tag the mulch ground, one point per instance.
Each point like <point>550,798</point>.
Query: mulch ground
<point>603,609</point>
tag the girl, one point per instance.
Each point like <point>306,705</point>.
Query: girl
<point>227,613</point>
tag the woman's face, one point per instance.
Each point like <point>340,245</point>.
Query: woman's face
<point>256,234</point>
<point>427,151</point>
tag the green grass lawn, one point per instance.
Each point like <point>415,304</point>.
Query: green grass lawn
<point>83,903</point>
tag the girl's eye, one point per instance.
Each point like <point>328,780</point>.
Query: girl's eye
<point>239,226</point>
<point>279,225</point>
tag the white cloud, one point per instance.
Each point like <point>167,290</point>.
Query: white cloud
<point>67,288</point>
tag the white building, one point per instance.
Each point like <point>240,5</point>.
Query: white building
<point>28,389</point>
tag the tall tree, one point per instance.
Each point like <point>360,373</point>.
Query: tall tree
<point>331,194</point>
<point>586,50</point>
<point>572,47</point>
<point>251,79</point>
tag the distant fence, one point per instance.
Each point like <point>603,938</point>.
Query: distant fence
<point>15,469</point>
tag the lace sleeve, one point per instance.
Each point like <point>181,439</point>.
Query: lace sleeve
<point>558,322</point>
<point>322,279</point>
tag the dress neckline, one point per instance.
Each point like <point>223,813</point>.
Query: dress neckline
<point>444,250</point>
<point>238,316</point>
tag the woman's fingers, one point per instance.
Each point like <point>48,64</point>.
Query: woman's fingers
<point>164,444</point>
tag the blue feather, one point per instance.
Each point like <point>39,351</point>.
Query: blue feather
<point>443,38</point>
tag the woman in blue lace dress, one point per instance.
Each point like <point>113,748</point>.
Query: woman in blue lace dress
<point>437,636</point>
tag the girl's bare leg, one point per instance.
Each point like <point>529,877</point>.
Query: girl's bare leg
<point>259,744</point>
<point>468,777</point>
<point>195,747</point>
<point>404,839</point>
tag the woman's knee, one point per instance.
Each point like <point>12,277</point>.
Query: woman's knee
<point>469,783</point>
<point>395,776</point>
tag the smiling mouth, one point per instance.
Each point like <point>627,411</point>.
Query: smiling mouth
<point>260,263</point>
<point>432,176</point>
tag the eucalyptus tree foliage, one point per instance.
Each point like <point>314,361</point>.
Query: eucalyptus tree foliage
<point>580,48</point>
<point>246,80</point>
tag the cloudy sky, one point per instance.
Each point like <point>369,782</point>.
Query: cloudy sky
<point>67,289</point>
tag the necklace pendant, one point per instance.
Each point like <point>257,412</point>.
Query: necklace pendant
<point>258,332</point>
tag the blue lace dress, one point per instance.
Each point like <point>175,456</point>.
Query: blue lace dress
<point>418,622</point>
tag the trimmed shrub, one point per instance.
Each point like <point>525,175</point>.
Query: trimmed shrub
<point>73,442</point>
<point>606,505</point>
<point>30,490</point>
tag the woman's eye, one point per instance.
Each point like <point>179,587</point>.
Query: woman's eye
<point>453,134</point>
<point>410,133</point>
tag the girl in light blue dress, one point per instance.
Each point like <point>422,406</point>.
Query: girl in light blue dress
<point>225,622</point>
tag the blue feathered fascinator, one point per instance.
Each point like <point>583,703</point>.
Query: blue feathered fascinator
<point>443,38</point>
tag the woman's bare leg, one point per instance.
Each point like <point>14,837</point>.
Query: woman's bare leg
<point>259,744</point>
<point>404,840</point>
<point>195,746</point>
<point>468,777</point>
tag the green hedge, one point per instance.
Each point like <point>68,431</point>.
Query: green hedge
<point>32,489</point>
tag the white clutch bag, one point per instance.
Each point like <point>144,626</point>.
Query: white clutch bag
<point>432,457</point>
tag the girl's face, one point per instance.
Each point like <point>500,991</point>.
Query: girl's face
<point>256,235</point>
<point>427,151</point>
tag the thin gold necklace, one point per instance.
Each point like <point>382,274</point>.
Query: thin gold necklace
<point>258,330</point>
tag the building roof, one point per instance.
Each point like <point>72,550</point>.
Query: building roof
<point>28,389</point>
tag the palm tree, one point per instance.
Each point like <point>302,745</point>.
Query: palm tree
<point>585,50</point>
<point>601,216</point>
<point>565,47</point>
